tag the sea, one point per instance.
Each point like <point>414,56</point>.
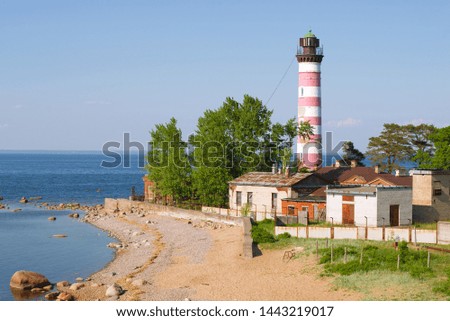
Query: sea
<point>26,241</point>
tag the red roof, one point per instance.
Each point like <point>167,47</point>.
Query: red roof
<point>338,175</point>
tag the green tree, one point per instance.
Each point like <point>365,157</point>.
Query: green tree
<point>420,140</point>
<point>390,148</point>
<point>230,141</point>
<point>441,158</point>
<point>305,130</point>
<point>168,164</point>
<point>350,153</point>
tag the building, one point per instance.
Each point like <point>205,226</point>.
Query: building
<point>151,195</point>
<point>431,200</point>
<point>358,175</point>
<point>313,201</point>
<point>309,57</point>
<point>263,191</point>
<point>370,206</point>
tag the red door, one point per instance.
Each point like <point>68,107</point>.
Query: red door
<point>394,215</point>
<point>348,214</point>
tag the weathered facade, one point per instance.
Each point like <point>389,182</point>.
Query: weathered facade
<point>431,199</point>
<point>370,205</point>
<point>264,191</point>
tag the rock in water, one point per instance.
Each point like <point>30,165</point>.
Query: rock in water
<point>62,284</point>
<point>114,290</point>
<point>52,296</point>
<point>23,200</point>
<point>52,218</point>
<point>26,280</point>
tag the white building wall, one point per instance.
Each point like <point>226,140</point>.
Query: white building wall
<point>262,197</point>
<point>365,205</point>
<point>334,208</point>
<point>401,197</point>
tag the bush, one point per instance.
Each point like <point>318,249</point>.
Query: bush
<point>261,235</point>
<point>283,236</point>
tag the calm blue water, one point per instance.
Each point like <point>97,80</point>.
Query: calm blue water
<point>25,236</point>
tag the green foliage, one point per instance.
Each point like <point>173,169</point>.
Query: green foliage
<point>390,148</point>
<point>234,139</point>
<point>245,209</point>
<point>283,236</point>
<point>350,153</point>
<point>168,164</point>
<point>444,286</point>
<point>262,232</point>
<point>441,158</point>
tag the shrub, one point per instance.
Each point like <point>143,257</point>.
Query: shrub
<point>285,235</point>
<point>261,235</point>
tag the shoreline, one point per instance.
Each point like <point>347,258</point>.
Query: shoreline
<point>163,258</point>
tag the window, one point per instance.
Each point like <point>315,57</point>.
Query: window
<point>291,210</point>
<point>274,200</point>
<point>437,191</point>
<point>305,209</point>
<point>249,198</point>
<point>238,198</point>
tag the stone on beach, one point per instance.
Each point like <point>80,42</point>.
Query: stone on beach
<point>79,279</point>
<point>52,296</point>
<point>64,296</point>
<point>74,215</point>
<point>139,282</point>
<point>76,286</point>
<point>114,290</point>
<point>62,284</point>
<point>26,280</point>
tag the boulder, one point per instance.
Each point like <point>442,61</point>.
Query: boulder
<point>27,280</point>
<point>48,287</point>
<point>74,215</point>
<point>114,290</point>
<point>52,218</point>
<point>76,286</point>
<point>62,284</point>
<point>23,200</point>
<point>64,296</point>
<point>139,282</point>
<point>52,296</point>
<point>79,279</point>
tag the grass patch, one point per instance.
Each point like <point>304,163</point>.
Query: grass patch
<point>426,226</point>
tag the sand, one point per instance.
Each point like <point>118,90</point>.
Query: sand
<point>164,258</point>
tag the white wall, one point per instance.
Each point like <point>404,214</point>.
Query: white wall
<point>365,205</point>
<point>262,195</point>
<point>334,208</point>
<point>401,197</point>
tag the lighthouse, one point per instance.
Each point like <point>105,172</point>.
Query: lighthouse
<point>309,57</point>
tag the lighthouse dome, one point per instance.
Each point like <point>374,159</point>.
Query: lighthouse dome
<point>309,35</point>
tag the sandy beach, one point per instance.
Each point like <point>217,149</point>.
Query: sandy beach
<point>166,258</point>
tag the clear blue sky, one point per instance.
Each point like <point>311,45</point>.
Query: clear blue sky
<point>76,74</point>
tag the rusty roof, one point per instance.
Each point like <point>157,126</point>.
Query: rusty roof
<point>269,179</point>
<point>340,174</point>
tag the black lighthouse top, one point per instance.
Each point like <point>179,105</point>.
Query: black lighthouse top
<point>309,50</point>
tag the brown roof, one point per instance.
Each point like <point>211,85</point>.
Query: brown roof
<point>337,175</point>
<point>269,179</point>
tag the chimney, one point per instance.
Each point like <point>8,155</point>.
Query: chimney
<point>274,169</point>
<point>354,163</point>
<point>377,169</point>
<point>397,172</point>
<point>337,164</point>
<point>287,171</point>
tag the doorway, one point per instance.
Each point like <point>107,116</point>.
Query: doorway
<point>394,215</point>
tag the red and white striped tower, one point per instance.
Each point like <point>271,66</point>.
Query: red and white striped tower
<point>309,57</point>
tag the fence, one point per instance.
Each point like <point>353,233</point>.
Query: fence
<point>256,215</point>
<point>439,236</point>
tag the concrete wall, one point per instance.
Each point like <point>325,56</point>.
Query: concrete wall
<point>345,232</point>
<point>124,205</point>
<point>392,234</point>
<point>422,192</point>
<point>444,232</point>
<point>248,241</point>
<point>401,197</point>
<point>373,233</point>
<point>262,197</point>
